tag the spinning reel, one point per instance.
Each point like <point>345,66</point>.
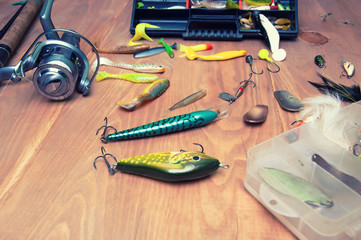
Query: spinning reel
<point>61,67</point>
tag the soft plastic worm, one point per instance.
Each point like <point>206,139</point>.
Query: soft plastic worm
<point>132,77</point>
<point>123,49</point>
<point>151,92</point>
<point>141,67</point>
<point>191,55</point>
<point>188,100</point>
<point>165,126</point>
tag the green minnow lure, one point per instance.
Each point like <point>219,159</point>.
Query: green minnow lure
<point>168,49</point>
<point>140,67</point>
<point>132,77</point>
<point>303,189</point>
<point>188,100</point>
<point>166,166</point>
<point>167,125</point>
<point>151,92</point>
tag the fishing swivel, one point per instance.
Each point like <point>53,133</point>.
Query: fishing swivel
<point>111,168</point>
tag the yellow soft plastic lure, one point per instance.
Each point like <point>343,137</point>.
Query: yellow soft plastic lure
<point>191,55</point>
<point>151,92</point>
<point>132,77</point>
<point>140,33</point>
<point>199,47</point>
<point>166,166</point>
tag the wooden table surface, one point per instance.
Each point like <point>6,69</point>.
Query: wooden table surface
<point>49,188</point>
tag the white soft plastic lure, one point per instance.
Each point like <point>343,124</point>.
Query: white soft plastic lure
<point>141,67</point>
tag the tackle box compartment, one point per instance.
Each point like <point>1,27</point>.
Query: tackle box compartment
<point>292,152</point>
<point>202,23</point>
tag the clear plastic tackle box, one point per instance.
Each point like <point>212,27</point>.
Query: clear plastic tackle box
<point>292,151</point>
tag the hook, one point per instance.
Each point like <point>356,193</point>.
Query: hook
<point>102,137</point>
<point>182,150</point>
<point>200,146</point>
<point>248,81</point>
<point>249,60</point>
<point>263,54</point>
<point>111,168</point>
<point>276,71</point>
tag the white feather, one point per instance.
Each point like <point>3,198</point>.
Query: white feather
<point>323,113</point>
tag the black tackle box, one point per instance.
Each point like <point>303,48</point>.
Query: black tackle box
<point>177,18</point>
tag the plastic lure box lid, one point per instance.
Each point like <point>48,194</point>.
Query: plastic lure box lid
<point>178,18</point>
<point>293,152</point>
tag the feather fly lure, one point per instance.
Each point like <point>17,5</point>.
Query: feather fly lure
<point>345,93</point>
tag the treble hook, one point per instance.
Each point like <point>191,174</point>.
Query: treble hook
<point>111,168</point>
<point>102,137</point>
<point>249,60</point>
<point>241,89</point>
<point>263,54</point>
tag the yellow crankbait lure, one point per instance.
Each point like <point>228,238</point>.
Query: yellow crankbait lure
<point>191,55</point>
<point>151,92</point>
<point>132,77</point>
<point>140,33</point>
<point>166,166</point>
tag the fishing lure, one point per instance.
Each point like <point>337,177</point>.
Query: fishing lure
<point>285,183</point>
<point>349,68</point>
<point>345,93</point>
<point>132,77</point>
<point>168,49</point>
<point>151,92</point>
<point>191,55</point>
<point>140,33</point>
<point>350,181</point>
<point>230,98</point>
<point>320,61</point>
<point>288,101</point>
<point>153,51</point>
<point>123,49</point>
<point>249,60</point>
<point>188,100</point>
<point>264,54</point>
<point>167,125</point>
<point>210,4</point>
<point>166,166</point>
<point>142,67</point>
<point>259,2</point>
<point>257,114</point>
<point>199,47</point>
<point>232,5</point>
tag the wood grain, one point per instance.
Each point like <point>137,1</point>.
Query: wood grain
<point>48,186</point>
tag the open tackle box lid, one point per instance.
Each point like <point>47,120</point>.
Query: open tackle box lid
<point>294,152</point>
<point>177,18</point>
